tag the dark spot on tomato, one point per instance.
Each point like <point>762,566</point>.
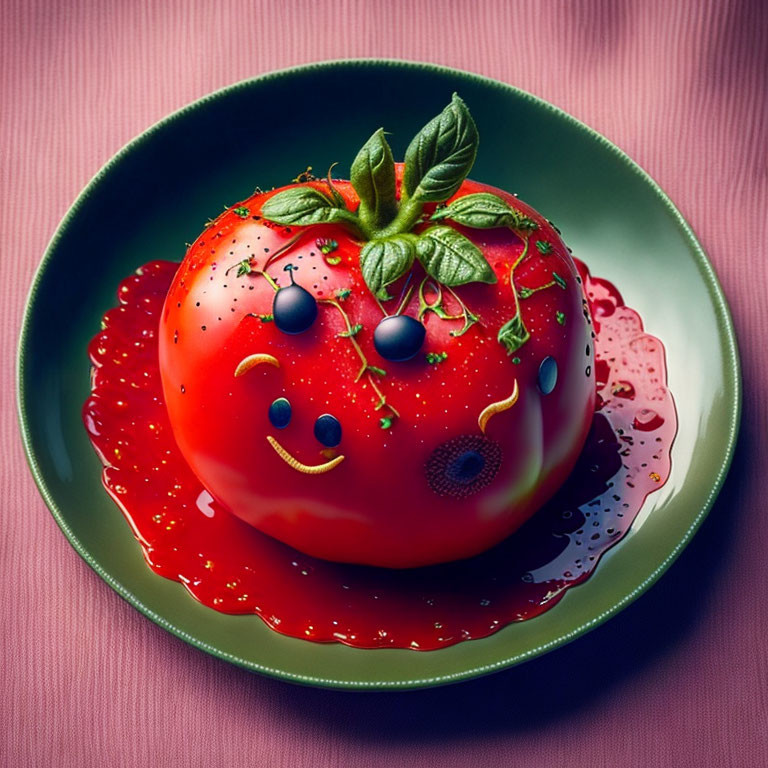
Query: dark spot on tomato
<point>466,467</point>
<point>462,466</point>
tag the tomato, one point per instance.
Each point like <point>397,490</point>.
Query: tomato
<point>428,441</point>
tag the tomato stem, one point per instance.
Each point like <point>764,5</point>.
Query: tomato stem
<point>408,214</point>
<point>523,254</point>
<point>405,297</point>
<point>283,248</point>
<point>275,286</point>
<point>365,367</point>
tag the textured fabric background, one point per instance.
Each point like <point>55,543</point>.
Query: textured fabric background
<point>679,679</point>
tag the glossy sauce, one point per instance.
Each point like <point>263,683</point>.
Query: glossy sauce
<point>231,567</point>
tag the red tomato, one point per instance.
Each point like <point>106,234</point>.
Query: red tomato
<point>432,470</point>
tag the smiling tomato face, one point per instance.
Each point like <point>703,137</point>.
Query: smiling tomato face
<point>317,439</point>
<point>327,428</point>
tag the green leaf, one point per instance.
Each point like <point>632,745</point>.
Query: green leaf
<point>303,206</point>
<point>544,247</point>
<point>481,210</point>
<point>376,370</point>
<point>244,268</point>
<point>451,258</point>
<point>241,211</point>
<point>353,331</point>
<point>559,280</point>
<point>385,422</point>
<point>326,246</point>
<point>373,177</point>
<point>343,294</point>
<point>513,334</point>
<point>524,224</point>
<point>441,155</point>
<point>384,261</point>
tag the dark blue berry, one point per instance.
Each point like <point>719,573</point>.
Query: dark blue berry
<point>294,308</point>
<point>547,375</point>
<point>280,413</point>
<point>399,337</point>
<point>328,430</point>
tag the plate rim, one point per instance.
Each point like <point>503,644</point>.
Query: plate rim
<point>726,333</point>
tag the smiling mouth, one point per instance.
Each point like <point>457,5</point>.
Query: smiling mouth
<point>307,469</point>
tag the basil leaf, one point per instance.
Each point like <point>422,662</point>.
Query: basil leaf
<point>513,334</point>
<point>441,155</point>
<point>384,261</point>
<point>451,258</point>
<point>373,177</point>
<point>303,206</point>
<point>481,210</point>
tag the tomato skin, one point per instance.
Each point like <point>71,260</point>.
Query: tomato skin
<point>377,506</point>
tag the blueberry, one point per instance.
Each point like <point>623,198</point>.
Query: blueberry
<point>328,430</point>
<point>399,337</point>
<point>547,375</point>
<point>294,308</point>
<point>280,413</point>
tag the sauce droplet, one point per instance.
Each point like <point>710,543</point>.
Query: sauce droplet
<point>646,420</point>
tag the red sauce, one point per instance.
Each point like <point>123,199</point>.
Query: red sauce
<point>233,568</point>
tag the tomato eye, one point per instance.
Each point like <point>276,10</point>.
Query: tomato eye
<point>462,466</point>
<point>399,337</point>
<point>328,430</point>
<point>294,308</point>
<point>280,413</point>
<point>547,375</point>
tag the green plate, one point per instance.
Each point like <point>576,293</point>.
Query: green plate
<point>154,196</point>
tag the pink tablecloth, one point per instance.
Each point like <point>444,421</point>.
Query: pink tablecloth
<point>678,679</point>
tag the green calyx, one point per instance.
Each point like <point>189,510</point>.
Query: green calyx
<point>437,161</point>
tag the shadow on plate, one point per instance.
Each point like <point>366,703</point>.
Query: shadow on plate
<point>553,686</point>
